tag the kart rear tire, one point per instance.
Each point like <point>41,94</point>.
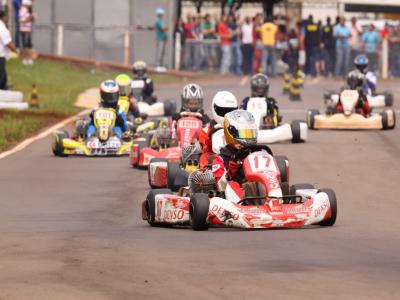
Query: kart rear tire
<point>332,201</point>
<point>172,169</point>
<point>199,207</point>
<point>151,204</point>
<point>311,113</point>
<point>58,150</point>
<point>385,119</point>
<point>300,186</point>
<point>283,165</point>
<point>389,98</point>
<point>296,131</point>
<point>141,145</point>
<point>153,160</point>
<point>169,107</point>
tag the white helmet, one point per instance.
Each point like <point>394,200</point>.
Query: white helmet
<point>192,97</point>
<point>223,102</point>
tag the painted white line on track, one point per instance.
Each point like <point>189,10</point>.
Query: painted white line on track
<point>244,81</point>
<point>41,135</point>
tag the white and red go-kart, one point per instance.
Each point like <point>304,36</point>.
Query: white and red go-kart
<point>185,132</point>
<point>151,108</point>
<point>349,119</point>
<point>295,132</point>
<point>269,207</point>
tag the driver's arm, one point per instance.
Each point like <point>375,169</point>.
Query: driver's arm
<point>149,90</point>
<point>244,103</point>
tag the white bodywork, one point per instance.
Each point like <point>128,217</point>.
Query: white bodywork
<point>12,100</point>
<point>154,110</point>
<point>218,141</point>
<point>376,101</point>
<point>349,99</point>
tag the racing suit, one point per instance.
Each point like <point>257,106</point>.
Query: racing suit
<point>119,128</point>
<point>224,169</point>
<point>148,90</point>
<point>272,109</point>
<point>205,118</point>
<point>205,140</point>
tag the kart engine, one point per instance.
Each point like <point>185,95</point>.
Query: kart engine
<point>202,181</point>
<point>191,152</point>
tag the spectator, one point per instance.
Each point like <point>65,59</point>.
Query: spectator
<point>197,43</point>
<point>328,50</point>
<point>342,34</point>
<point>258,46</point>
<point>25,23</point>
<point>394,42</point>
<point>312,42</point>
<point>293,53</point>
<point>268,33</point>
<point>209,36</point>
<point>5,45</point>
<point>371,39</point>
<point>161,37</point>
<point>282,46</point>
<point>17,5</point>
<point>236,61</point>
<point>224,34</point>
<point>384,32</point>
<point>247,45</point>
<point>355,41</point>
<point>189,43</point>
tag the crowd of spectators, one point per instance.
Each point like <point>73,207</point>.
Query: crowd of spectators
<point>235,46</point>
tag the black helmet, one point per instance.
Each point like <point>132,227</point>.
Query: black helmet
<point>259,85</point>
<point>355,80</point>
<point>109,94</point>
<point>139,68</point>
<point>361,62</point>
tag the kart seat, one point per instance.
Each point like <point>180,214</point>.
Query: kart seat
<point>254,189</point>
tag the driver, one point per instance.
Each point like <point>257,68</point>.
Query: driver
<point>355,81</point>
<point>139,70</point>
<point>259,85</point>
<point>223,102</point>
<point>240,130</point>
<point>109,95</point>
<point>361,64</point>
<point>125,92</point>
<point>192,97</point>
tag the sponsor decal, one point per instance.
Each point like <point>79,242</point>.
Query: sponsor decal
<point>188,124</point>
<point>321,208</point>
<point>215,167</point>
<point>224,214</point>
<point>252,210</point>
<point>296,210</point>
<point>176,214</point>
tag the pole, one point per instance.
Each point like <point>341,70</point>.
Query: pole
<point>177,51</point>
<point>385,58</point>
<point>126,47</point>
<point>60,39</point>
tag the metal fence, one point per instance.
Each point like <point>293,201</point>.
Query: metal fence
<point>101,29</point>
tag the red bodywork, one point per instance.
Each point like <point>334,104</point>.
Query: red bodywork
<point>186,130</point>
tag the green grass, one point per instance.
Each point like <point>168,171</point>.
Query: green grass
<point>59,85</point>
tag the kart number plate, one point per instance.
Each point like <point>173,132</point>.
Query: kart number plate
<point>261,163</point>
<point>104,114</point>
<point>192,124</point>
<point>137,84</point>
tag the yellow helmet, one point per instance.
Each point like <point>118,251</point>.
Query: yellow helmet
<point>240,128</point>
<point>125,84</point>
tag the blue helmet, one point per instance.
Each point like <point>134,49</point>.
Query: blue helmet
<point>361,62</point>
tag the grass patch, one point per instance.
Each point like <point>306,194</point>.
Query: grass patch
<point>59,85</point>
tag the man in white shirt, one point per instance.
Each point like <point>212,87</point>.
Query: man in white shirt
<point>5,45</point>
<point>247,46</point>
<point>355,39</point>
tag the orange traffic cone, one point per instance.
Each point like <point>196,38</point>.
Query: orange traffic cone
<point>34,97</point>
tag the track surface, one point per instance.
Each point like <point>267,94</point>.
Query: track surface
<point>70,228</point>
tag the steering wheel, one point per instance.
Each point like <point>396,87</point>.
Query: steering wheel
<point>245,151</point>
<point>191,114</point>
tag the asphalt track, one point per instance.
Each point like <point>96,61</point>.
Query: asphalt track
<point>70,228</point>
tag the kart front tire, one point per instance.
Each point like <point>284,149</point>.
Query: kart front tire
<point>169,107</point>
<point>199,207</point>
<point>172,169</point>
<point>58,148</point>
<point>151,204</point>
<point>300,186</point>
<point>333,204</point>
<point>296,131</point>
<point>141,145</point>
<point>311,117</point>
<point>388,119</point>
<point>389,98</point>
<point>283,165</point>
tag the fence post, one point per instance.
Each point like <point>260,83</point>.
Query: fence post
<point>178,51</point>
<point>126,47</point>
<point>385,58</point>
<point>60,39</point>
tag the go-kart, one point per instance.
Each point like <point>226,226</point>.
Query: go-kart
<point>184,133</point>
<point>349,119</point>
<point>150,106</point>
<point>262,201</point>
<point>103,143</point>
<point>270,131</point>
<point>376,100</point>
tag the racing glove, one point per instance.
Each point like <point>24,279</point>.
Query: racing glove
<point>233,167</point>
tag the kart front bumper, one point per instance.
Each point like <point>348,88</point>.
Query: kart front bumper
<point>354,121</point>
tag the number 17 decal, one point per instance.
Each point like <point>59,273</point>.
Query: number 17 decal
<point>262,162</point>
